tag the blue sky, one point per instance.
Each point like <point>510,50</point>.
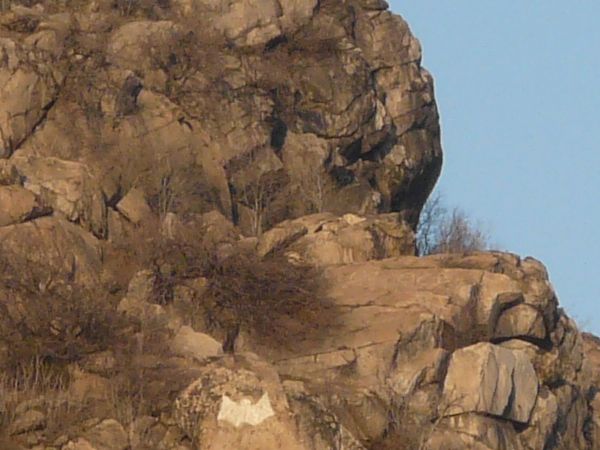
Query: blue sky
<point>518,88</point>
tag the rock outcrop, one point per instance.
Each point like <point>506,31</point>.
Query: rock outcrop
<point>135,133</point>
<point>323,106</point>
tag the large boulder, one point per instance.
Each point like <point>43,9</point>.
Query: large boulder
<point>325,239</point>
<point>490,380</point>
<point>522,321</point>
<point>69,187</point>
<point>53,248</point>
<point>139,107</point>
<point>30,85</point>
<point>239,403</point>
<point>19,205</point>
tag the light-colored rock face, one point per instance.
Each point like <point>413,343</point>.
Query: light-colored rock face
<point>68,187</point>
<point>490,380</point>
<point>416,332</point>
<point>311,127</point>
<point>29,86</point>
<point>299,109</point>
<point>521,321</point>
<point>59,248</point>
<point>240,403</point>
<point>19,205</point>
<point>134,207</point>
<point>324,239</point>
<point>191,344</point>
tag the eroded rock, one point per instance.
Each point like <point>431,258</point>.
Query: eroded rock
<point>56,247</point>
<point>19,205</point>
<point>488,379</point>
<point>238,394</point>
<point>68,187</point>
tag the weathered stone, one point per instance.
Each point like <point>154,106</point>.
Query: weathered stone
<point>522,321</point>
<point>135,207</point>
<point>130,45</point>
<point>79,444</point>
<point>191,344</point>
<point>56,247</point>
<point>30,420</point>
<point>143,312</point>
<point>107,435</point>
<point>595,419</point>
<point>488,379</point>
<point>233,396</point>
<point>19,205</point>
<point>68,187</point>
<point>86,387</point>
<point>573,413</point>
<point>141,285</point>
<point>424,368</point>
<point>278,237</point>
<point>9,175</point>
<point>28,88</point>
<point>325,239</point>
<point>146,432</point>
<point>473,432</point>
<point>216,229</point>
<point>543,420</point>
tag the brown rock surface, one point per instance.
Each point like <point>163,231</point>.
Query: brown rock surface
<point>325,239</point>
<point>240,403</point>
<point>55,246</point>
<point>19,205</point>
<point>68,187</point>
<point>490,380</point>
<point>298,102</point>
<point>311,128</point>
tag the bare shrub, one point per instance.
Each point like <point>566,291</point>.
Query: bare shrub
<point>411,431</point>
<point>258,195</point>
<point>270,297</point>
<point>256,179</point>
<point>50,317</point>
<point>441,231</point>
<point>144,8</point>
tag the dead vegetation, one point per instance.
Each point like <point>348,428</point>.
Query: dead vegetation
<point>48,317</point>
<point>268,297</point>
<point>443,231</point>
<point>36,386</point>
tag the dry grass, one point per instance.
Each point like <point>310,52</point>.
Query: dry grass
<point>36,384</point>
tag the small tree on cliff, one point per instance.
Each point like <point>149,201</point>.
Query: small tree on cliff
<point>441,231</point>
<point>258,194</point>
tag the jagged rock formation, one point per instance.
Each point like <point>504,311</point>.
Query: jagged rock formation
<point>302,129</point>
<point>266,110</point>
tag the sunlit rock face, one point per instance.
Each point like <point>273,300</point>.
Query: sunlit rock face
<point>289,107</point>
<point>303,130</point>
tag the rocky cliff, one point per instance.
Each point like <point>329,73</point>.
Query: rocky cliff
<point>207,215</point>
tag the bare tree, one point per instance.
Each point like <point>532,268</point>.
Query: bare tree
<point>258,195</point>
<point>432,215</point>
<point>313,188</point>
<point>440,231</point>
